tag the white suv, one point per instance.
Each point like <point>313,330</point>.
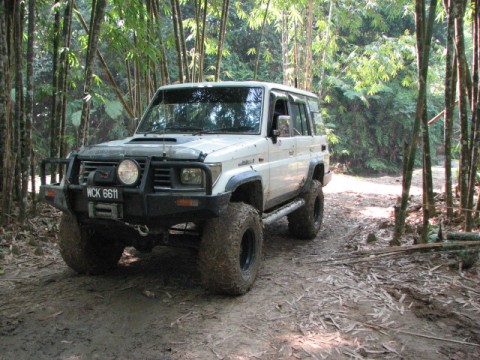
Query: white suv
<point>208,166</point>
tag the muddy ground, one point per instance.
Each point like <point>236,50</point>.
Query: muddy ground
<point>336,297</point>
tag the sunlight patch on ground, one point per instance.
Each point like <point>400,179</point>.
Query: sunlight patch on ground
<point>377,212</point>
<point>321,344</point>
<point>342,183</point>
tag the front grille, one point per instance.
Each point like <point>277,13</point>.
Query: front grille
<point>162,178</point>
<point>89,166</point>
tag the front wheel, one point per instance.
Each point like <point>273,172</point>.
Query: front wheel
<point>230,252</point>
<point>306,222</point>
<point>85,250</point>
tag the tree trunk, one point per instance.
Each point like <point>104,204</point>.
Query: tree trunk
<point>131,93</point>
<point>295,55</point>
<point>6,118</point>
<point>98,10</point>
<point>63,79</point>
<point>182,40</point>
<point>428,200</point>
<point>424,38</point>
<point>324,51</point>
<point>3,83</point>
<point>201,60</point>
<point>472,178</point>
<point>427,167</point>
<point>308,48</point>
<point>221,37</point>
<point>54,126</point>
<point>29,101</point>
<point>255,73</point>
<point>178,45</point>
<point>285,60</point>
<point>109,74</point>
<point>462,106</point>
<point>450,81</point>
<point>159,34</point>
<point>137,82</point>
<point>196,50</point>
<point>19,121</point>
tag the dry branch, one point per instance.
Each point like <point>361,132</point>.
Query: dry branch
<point>421,247</point>
<point>376,326</point>
<point>464,236</point>
<point>439,115</point>
<point>370,255</point>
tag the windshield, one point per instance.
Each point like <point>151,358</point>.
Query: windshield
<point>205,110</point>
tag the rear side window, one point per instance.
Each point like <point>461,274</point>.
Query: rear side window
<point>300,120</point>
<point>318,125</point>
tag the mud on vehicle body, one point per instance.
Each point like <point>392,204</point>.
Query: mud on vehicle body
<point>208,166</point>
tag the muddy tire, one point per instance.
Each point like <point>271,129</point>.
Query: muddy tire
<point>230,253</point>
<point>86,251</point>
<point>306,222</point>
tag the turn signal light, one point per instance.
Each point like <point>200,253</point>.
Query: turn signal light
<point>187,202</point>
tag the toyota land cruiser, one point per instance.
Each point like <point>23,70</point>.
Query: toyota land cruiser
<point>209,165</point>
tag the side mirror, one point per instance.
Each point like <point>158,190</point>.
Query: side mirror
<point>283,127</point>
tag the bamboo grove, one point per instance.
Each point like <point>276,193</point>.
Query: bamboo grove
<point>459,77</point>
<point>75,72</point>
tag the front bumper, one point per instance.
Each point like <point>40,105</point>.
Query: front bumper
<point>138,205</point>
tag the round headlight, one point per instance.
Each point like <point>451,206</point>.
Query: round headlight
<point>191,176</point>
<point>128,172</point>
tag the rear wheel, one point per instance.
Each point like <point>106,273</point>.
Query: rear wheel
<point>85,250</point>
<point>306,222</point>
<point>230,252</point>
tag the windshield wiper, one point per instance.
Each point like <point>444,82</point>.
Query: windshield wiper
<point>173,127</point>
<point>220,130</point>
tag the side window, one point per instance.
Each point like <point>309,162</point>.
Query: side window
<point>318,125</point>
<point>300,120</point>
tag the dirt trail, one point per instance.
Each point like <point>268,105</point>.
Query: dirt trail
<point>310,300</point>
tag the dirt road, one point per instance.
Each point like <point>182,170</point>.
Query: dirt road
<point>319,299</point>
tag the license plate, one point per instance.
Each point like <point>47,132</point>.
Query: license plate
<point>98,193</point>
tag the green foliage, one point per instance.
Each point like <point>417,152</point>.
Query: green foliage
<point>76,118</point>
<point>364,66</point>
<point>372,130</point>
<point>379,62</point>
<point>113,108</point>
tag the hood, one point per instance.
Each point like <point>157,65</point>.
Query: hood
<point>178,147</point>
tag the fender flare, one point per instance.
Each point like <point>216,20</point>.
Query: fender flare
<point>240,179</point>
<point>314,163</point>
<point>248,177</point>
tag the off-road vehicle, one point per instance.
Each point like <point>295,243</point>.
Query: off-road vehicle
<point>209,165</point>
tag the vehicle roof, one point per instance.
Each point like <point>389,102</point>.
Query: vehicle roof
<point>265,85</point>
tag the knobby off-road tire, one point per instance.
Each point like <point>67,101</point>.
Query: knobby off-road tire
<point>305,222</point>
<point>230,253</point>
<point>86,251</point>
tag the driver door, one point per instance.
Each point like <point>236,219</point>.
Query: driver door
<point>282,152</point>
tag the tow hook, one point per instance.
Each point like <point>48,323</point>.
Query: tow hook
<point>142,229</point>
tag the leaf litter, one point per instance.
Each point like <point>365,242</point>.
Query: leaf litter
<point>339,296</point>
